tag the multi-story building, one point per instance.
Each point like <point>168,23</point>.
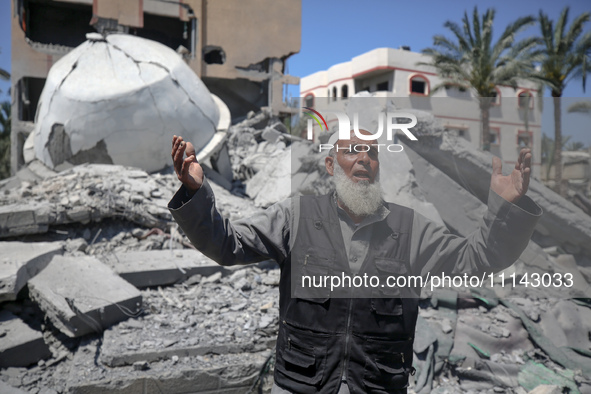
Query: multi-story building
<point>237,48</point>
<point>515,119</point>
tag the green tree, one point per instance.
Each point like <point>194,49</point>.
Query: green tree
<point>582,107</point>
<point>472,61</point>
<point>4,139</point>
<point>574,146</point>
<point>567,55</point>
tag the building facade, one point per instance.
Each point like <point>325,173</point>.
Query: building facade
<point>237,48</point>
<point>515,119</point>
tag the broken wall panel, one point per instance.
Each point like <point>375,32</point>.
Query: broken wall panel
<point>20,262</point>
<point>81,295</point>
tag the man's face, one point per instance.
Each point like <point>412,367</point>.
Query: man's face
<point>358,158</point>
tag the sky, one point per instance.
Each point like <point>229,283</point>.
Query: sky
<point>334,31</point>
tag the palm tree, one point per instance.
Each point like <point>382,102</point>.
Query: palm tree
<point>567,55</point>
<point>473,61</point>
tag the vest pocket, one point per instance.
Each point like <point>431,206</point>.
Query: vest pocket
<point>388,271</point>
<point>301,355</point>
<point>385,365</point>
<point>310,277</point>
<point>386,300</point>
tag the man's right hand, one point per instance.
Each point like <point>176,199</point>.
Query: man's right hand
<point>187,170</point>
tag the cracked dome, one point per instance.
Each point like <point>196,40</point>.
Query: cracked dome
<point>119,100</point>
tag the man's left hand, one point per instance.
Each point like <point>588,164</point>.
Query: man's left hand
<point>513,186</point>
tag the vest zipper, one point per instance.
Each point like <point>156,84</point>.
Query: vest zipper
<point>347,335</point>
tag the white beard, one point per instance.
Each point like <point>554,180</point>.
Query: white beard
<point>362,198</point>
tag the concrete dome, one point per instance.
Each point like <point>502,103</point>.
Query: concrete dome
<point>119,100</point>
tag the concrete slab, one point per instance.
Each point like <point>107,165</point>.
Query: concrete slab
<point>562,221</point>
<point>462,212</point>
<point>28,218</point>
<point>114,356</point>
<point>459,209</point>
<point>226,373</point>
<point>20,345</point>
<point>81,295</point>
<point>160,267</point>
<point>21,261</point>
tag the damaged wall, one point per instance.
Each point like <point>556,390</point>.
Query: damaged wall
<point>119,100</point>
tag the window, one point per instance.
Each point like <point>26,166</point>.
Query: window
<point>344,91</point>
<point>29,90</point>
<point>494,136</point>
<point>525,100</point>
<point>214,55</point>
<point>524,139</point>
<point>382,86</point>
<point>309,101</point>
<point>334,93</point>
<point>457,130</point>
<point>55,23</point>
<point>419,85</point>
<point>496,95</point>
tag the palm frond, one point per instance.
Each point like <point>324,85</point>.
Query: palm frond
<point>559,31</point>
<point>576,29</point>
<point>583,107</point>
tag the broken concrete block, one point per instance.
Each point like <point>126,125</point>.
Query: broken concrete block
<point>562,221</point>
<point>7,389</point>
<point>160,267</point>
<point>225,374</point>
<point>20,346</point>
<point>119,100</point>
<point>27,218</point>
<point>461,211</point>
<point>400,186</point>
<point>272,183</point>
<point>546,389</point>
<point>20,261</point>
<point>81,295</point>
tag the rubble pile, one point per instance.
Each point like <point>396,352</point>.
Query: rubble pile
<point>101,292</point>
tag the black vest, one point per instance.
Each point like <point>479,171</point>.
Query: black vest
<point>324,336</point>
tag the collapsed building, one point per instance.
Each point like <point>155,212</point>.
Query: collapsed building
<point>102,293</point>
